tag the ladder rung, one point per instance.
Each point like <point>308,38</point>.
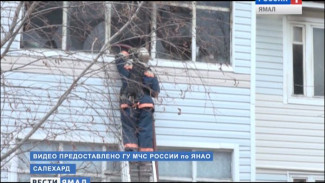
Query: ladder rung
<point>107,172</point>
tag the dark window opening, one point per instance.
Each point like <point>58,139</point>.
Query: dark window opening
<point>299,180</point>
<point>137,33</point>
<point>213,36</point>
<point>86,26</point>
<point>44,28</point>
<point>174,35</point>
<point>298,70</point>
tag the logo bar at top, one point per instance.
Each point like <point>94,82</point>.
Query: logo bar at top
<point>278,7</point>
<point>280,2</point>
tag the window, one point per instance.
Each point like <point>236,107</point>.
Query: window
<point>205,23</point>
<point>174,24</point>
<point>86,26</point>
<point>197,31</point>
<point>305,177</point>
<point>43,29</point>
<point>299,180</point>
<point>298,64</point>
<point>318,57</point>
<point>306,61</point>
<point>216,170</point>
<point>137,33</point>
<point>315,55</point>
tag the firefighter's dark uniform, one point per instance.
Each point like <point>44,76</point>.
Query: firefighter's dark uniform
<point>137,113</point>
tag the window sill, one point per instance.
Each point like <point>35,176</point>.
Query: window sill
<point>319,101</point>
<point>83,56</point>
<point>190,65</point>
<point>52,53</point>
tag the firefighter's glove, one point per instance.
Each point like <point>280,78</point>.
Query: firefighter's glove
<point>148,78</point>
<point>151,83</point>
<point>128,65</point>
<point>123,55</point>
<point>149,73</point>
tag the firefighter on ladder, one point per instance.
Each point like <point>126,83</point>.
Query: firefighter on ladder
<point>139,85</point>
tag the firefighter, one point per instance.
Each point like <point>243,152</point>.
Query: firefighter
<point>139,85</point>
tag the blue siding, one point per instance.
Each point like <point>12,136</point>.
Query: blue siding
<point>189,108</point>
<point>289,137</point>
<point>242,37</point>
<point>269,66</point>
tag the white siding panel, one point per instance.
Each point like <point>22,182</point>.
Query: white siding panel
<point>242,36</point>
<point>298,119</point>
<point>287,145</point>
<point>270,85</point>
<point>315,166</point>
<point>290,112</point>
<point>290,132</point>
<point>4,175</point>
<point>269,74</point>
<point>267,175</point>
<point>266,78</point>
<point>269,91</point>
<point>301,152</point>
<point>8,9</point>
<point>271,178</point>
<point>194,105</point>
<point>287,135</point>
<point>275,59</point>
<point>269,46</point>
<point>243,42</point>
<point>208,113</point>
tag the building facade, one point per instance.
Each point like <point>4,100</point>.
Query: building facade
<point>290,96</point>
<point>235,101</point>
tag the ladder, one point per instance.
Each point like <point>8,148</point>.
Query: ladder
<point>134,171</point>
<point>143,171</point>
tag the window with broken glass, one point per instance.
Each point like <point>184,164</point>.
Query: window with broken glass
<point>185,31</point>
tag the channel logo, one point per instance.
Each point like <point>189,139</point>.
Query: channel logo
<point>278,7</point>
<point>60,180</point>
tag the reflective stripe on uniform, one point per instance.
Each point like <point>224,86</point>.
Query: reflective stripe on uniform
<point>128,67</point>
<point>140,106</point>
<point>123,106</point>
<point>149,74</point>
<point>146,149</point>
<point>130,145</point>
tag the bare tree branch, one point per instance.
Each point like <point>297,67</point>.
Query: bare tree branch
<point>67,92</point>
<point>13,35</point>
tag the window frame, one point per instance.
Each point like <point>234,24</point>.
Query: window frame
<point>308,24</point>
<point>154,61</point>
<point>233,148</point>
<point>313,177</point>
<point>193,63</point>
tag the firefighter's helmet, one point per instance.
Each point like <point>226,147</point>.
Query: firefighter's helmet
<point>143,55</point>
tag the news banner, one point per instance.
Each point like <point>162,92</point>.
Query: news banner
<point>278,7</point>
<point>70,168</point>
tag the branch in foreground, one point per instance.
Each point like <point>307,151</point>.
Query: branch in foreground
<point>66,93</point>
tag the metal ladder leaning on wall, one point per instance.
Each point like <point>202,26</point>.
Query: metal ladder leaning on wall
<point>145,171</point>
<point>135,171</point>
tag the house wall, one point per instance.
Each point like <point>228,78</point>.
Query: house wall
<point>195,105</point>
<point>289,137</point>
<point>7,13</point>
